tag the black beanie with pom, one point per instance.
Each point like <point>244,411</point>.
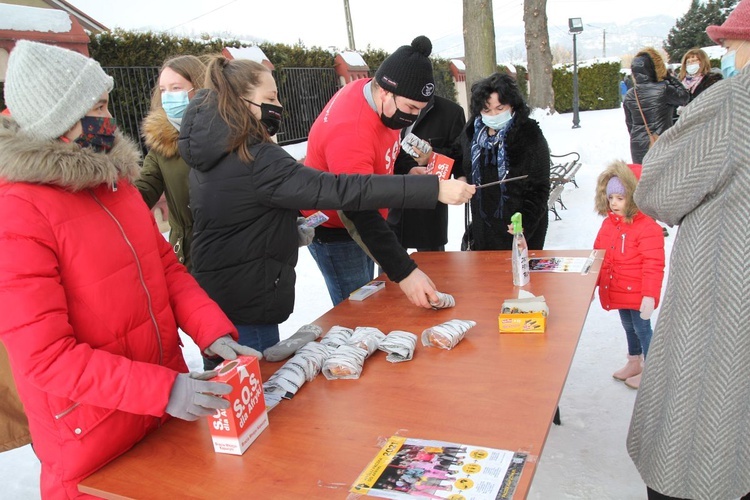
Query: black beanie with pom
<point>408,71</point>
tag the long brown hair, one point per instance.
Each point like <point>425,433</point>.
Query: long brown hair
<point>191,68</point>
<point>230,79</point>
<point>705,62</point>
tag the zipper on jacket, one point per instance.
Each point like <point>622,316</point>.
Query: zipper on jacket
<point>66,411</point>
<point>140,274</point>
<point>623,242</point>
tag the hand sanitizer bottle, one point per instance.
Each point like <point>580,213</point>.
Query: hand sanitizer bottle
<point>520,257</point>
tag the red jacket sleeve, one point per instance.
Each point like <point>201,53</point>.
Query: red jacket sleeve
<point>651,248</point>
<point>39,338</point>
<point>196,314</point>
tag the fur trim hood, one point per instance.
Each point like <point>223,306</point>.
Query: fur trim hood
<point>160,135</point>
<point>628,178</point>
<point>659,67</point>
<point>23,159</point>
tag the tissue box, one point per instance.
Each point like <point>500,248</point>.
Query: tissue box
<point>232,430</point>
<point>527,315</point>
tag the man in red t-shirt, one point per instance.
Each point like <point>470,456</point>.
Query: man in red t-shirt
<point>358,133</point>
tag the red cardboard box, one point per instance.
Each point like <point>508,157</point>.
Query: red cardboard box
<point>440,165</point>
<point>233,429</point>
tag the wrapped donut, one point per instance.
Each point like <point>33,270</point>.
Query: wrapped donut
<point>399,345</point>
<point>446,335</point>
<point>367,338</point>
<point>345,362</point>
<point>302,367</point>
<point>336,336</point>
<point>444,301</point>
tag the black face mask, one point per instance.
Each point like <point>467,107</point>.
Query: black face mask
<point>270,116</point>
<point>399,119</point>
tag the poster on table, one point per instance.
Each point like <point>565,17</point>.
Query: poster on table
<point>406,468</point>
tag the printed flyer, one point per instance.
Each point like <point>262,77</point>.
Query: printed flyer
<point>407,468</point>
<point>557,264</point>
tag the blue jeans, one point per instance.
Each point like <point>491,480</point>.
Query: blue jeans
<point>345,267</point>
<point>259,337</point>
<point>638,331</point>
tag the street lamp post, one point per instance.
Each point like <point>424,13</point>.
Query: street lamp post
<point>575,26</point>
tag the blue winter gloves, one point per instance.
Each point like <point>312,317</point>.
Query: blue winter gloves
<point>227,348</point>
<point>192,399</point>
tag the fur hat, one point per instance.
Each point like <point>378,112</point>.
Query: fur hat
<point>408,71</point>
<point>626,177</point>
<point>736,27</point>
<point>48,89</point>
<point>650,63</point>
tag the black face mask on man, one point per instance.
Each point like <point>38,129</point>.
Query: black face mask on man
<point>270,115</point>
<point>398,119</point>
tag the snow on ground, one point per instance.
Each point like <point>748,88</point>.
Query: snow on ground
<point>585,457</point>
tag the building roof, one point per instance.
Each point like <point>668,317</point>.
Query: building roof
<point>87,22</point>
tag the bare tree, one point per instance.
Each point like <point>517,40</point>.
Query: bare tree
<point>561,55</point>
<point>479,41</point>
<point>538,54</point>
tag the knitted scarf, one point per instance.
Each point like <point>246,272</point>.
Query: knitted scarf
<point>492,148</point>
<point>691,82</point>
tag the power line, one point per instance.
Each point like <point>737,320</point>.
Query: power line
<point>202,15</point>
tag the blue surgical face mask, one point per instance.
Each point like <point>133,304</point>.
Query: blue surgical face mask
<point>728,68</point>
<point>499,121</point>
<point>692,69</point>
<point>175,103</point>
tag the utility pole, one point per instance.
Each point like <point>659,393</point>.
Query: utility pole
<point>349,26</point>
<point>604,43</point>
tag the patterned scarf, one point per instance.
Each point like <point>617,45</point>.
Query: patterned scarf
<point>492,148</point>
<point>690,82</point>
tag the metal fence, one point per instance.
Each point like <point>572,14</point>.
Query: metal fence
<point>130,99</point>
<point>303,93</point>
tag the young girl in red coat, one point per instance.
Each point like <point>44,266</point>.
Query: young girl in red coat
<point>633,269</point>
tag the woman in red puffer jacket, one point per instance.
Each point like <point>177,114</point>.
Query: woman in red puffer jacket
<point>92,294</point>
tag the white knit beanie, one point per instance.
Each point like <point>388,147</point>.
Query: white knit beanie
<point>48,89</point>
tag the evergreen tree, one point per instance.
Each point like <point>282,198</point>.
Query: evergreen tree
<point>690,30</point>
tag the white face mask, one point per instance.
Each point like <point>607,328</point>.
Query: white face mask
<point>498,121</point>
<point>692,68</point>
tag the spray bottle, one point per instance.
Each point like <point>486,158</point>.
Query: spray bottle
<point>520,257</point>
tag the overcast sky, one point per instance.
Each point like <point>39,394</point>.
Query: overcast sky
<point>382,24</point>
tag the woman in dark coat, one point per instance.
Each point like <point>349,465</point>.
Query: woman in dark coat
<point>502,141</point>
<point>658,93</point>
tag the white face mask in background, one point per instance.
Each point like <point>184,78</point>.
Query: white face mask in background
<point>692,69</point>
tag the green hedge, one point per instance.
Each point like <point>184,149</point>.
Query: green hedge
<point>598,87</point>
<point>127,49</point>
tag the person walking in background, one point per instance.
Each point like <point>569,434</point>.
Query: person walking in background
<point>246,240</point>
<point>502,141</point>
<point>358,132</point>
<point>92,293</point>
<point>688,435</point>
<point>164,171</point>
<point>649,105</point>
<point>623,89</point>
<point>696,75</point>
<point>440,123</point>
<point>633,269</point>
